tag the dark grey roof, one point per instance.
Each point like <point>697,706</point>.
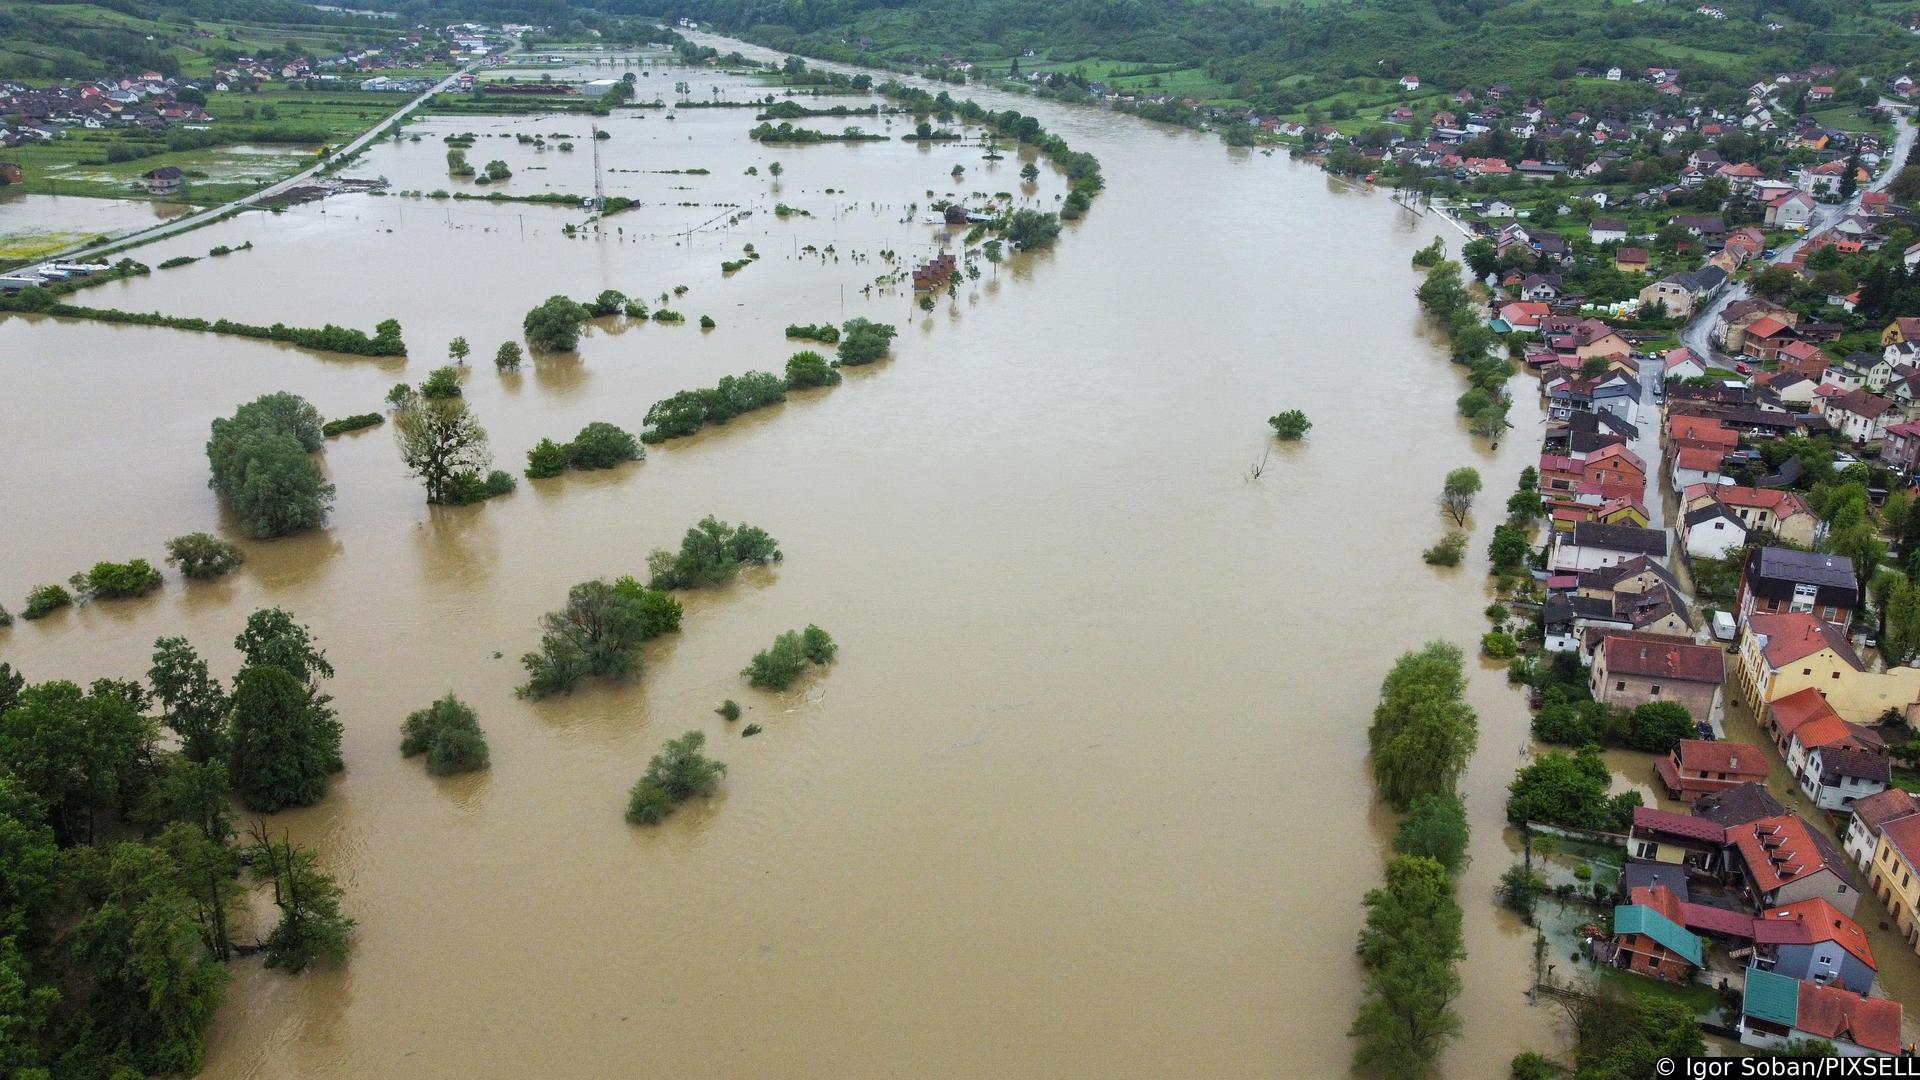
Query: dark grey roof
<point>1738,805</point>
<point>1709,512</point>
<point>1648,874</point>
<point>1839,761</point>
<point>1620,537</point>
<point>1804,567</point>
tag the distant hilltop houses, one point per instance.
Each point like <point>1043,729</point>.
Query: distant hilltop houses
<point>152,101</point>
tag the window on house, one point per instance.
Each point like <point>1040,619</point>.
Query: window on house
<point>1655,692</point>
<point>1621,685</point>
<point>1806,671</point>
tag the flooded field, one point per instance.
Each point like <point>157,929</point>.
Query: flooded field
<point>1085,794</point>
<point>31,225</point>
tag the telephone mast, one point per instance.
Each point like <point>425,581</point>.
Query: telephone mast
<point>599,184</point>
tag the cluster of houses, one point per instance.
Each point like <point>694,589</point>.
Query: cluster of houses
<point>151,101</point>
<point>145,101</point>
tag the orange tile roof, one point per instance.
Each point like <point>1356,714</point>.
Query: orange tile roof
<point>1824,922</point>
<point>1822,731</point>
<point>1793,710</point>
<point>1765,326</point>
<point>1778,850</point>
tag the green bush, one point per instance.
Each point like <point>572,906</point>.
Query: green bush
<point>865,341</point>
<point>1291,425</point>
<point>602,446</point>
<point>729,710</point>
<point>1448,552</point>
<point>113,581</point>
<point>203,557</point>
<point>6,618</point>
<point>448,732</point>
<point>710,554</point>
<point>665,316</point>
<point>554,326</point>
<point>809,369</point>
<point>351,423</point>
<point>1499,645</point>
<point>597,634</point>
<point>677,773</point>
<point>44,601</point>
<point>706,322</point>
<point>689,410</point>
<point>818,644</point>
<point>824,333</point>
<point>547,458</point>
<point>442,382</point>
<point>775,668</point>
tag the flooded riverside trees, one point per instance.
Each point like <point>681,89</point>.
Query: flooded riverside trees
<point>1018,524</point>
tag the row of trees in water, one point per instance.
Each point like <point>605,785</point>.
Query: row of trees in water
<point>1422,736</point>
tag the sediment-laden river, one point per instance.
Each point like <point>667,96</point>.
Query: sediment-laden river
<point>1085,795</point>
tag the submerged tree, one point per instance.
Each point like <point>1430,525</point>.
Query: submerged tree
<point>677,773</point>
<point>311,927</point>
<point>445,447</point>
<point>448,732</point>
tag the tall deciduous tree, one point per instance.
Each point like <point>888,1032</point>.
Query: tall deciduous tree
<point>1456,494</point>
<point>193,702</point>
<point>311,927</point>
<point>282,743</point>
<point>440,441</point>
<point>1423,731</point>
<point>1410,944</point>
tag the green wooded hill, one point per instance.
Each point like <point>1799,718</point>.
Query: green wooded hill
<point>1265,54</point>
<point>174,37</point>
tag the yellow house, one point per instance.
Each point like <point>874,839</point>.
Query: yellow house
<point>1894,877</point>
<point>1789,652</point>
<point>1625,513</point>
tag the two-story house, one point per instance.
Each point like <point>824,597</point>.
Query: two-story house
<point>1777,580</point>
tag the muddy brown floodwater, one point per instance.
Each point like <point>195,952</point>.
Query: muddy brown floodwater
<point>1086,793</point>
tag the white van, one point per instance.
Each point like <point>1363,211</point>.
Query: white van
<point>1723,625</point>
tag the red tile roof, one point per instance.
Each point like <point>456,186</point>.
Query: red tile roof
<point>1877,809</point>
<point>1738,760</point>
<point>1795,709</point>
<point>1660,656</point>
<point>1713,920</point>
<point>1795,635</point>
<point>1833,1013</point>
<point>1904,835</point>
<point>1683,825</point>
<point>1699,459</point>
<point>1765,326</point>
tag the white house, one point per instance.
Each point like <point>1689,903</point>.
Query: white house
<point>1838,776</point>
<point>1698,465</point>
<point>1409,82</point>
<point>1613,74</point>
<point>1607,231</point>
<point>1713,532</point>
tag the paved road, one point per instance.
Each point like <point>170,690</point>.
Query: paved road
<point>201,217</point>
<point>1825,216</point>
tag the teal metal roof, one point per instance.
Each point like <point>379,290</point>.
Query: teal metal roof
<point>1641,919</point>
<point>1772,997</point>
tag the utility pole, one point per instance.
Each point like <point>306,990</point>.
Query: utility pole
<point>599,184</point>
